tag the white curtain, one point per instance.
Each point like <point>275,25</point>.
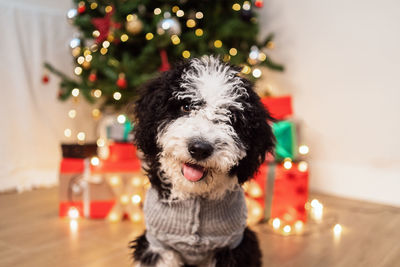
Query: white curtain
<point>32,119</point>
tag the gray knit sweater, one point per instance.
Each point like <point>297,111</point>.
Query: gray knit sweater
<point>197,226</point>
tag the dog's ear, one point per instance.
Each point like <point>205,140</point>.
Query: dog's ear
<point>150,110</point>
<point>256,133</point>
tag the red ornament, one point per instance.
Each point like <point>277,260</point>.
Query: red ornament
<point>104,25</point>
<point>81,9</point>
<point>164,61</point>
<point>45,78</point>
<point>92,77</point>
<point>121,82</point>
<point>259,3</point>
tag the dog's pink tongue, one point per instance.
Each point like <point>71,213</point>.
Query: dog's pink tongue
<point>191,173</point>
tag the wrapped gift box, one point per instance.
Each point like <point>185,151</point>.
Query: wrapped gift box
<point>93,189</point>
<point>286,140</point>
<point>282,192</point>
<point>280,107</point>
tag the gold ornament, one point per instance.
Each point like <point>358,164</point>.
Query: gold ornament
<point>134,25</point>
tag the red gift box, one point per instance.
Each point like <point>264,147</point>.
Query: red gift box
<point>279,107</point>
<point>284,191</point>
<point>84,186</point>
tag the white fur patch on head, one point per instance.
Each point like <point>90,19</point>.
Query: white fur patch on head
<point>213,88</point>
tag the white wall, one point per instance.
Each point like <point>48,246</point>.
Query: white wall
<point>343,69</point>
<point>32,119</point>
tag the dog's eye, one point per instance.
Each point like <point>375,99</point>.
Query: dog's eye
<point>186,108</point>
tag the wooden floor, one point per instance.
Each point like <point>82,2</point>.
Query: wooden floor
<point>31,234</point>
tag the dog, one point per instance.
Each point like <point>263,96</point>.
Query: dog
<point>203,132</point>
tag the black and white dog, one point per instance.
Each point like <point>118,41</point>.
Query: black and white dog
<point>203,132</point>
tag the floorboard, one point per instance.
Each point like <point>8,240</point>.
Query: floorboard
<point>31,234</point>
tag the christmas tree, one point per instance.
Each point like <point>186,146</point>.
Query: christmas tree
<point>124,43</point>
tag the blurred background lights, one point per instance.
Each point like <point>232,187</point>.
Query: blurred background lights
<point>73,213</point>
<point>72,113</point>
<point>303,149</point>
<point>287,163</point>
<point>157,11</point>
<point>67,132</point>
<point>276,223</point>
<point>121,119</point>
<point>303,166</point>
<point>287,229</point>
<point>337,230</point>
<point>95,161</point>
<point>117,95</point>
<point>75,92</point>
<point>257,73</point>
<point>81,136</point>
<point>246,5</point>
<point>199,15</point>
<point>97,93</point>
<point>136,199</point>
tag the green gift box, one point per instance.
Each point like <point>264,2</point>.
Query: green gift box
<point>286,141</point>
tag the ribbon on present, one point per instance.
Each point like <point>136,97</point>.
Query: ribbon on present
<point>286,140</point>
<point>81,185</point>
<point>269,194</point>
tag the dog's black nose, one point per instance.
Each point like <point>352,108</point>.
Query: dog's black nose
<point>200,149</point>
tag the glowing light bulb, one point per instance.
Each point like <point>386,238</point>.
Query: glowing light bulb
<point>78,70</point>
<point>199,15</point>
<point>73,226</point>
<point>317,210</point>
<point>254,190</point>
<point>81,136</point>
<point>97,93</point>
<point>236,7</point>
<point>136,217</point>
<point>136,181</point>
<point>217,43</point>
<point>246,5</point>
<point>303,149</point>
<point>106,44</point>
<point>337,229</point>
<point>124,37</point>
<point>100,142</point>
<point>287,229</point>
<point>257,73</point>
<point>96,113</point>
<point>75,92</point>
<point>73,213</point>
<point>149,36</point>
<point>233,51</point>
<point>121,119</point>
<point>117,95</point>
<point>115,180</point>
<point>190,23</point>
<point>287,164</point>
<point>303,166</point>
<point>67,132</point>
<point>186,54</point>
<point>95,161</point>
<point>314,202</point>
<point>198,32</point>
<point>298,226</point>
<point>157,11</point>
<point>276,223</point>
<point>72,113</point>
<point>80,60</point>
<point>256,211</point>
<point>124,199</point>
<point>136,199</point>
<point>113,217</point>
<point>180,13</point>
